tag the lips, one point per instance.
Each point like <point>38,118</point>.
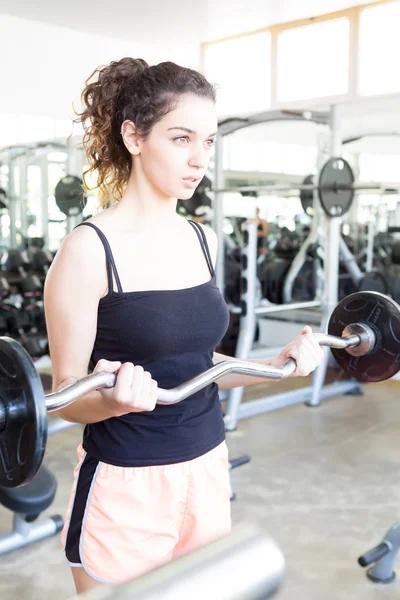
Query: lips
<point>194,179</point>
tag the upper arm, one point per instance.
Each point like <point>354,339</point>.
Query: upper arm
<point>74,284</point>
<point>212,241</point>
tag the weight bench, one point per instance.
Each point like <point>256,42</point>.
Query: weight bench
<point>27,503</point>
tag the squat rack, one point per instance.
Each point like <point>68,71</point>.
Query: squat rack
<point>313,394</point>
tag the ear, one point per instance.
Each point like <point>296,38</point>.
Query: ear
<point>130,137</point>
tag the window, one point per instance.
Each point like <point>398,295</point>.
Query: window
<point>241,68</point>
<point>313,61</point>
<point>378,50</point>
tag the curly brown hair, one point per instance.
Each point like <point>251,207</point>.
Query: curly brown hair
<point>129,89</point>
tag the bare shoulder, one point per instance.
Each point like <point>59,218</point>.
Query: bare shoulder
<point>211,236</point>
<point>86,239</point>
<point>82,242</point>
<point>212,241</point>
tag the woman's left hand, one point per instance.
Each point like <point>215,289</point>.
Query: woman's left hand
<point>305,350</point>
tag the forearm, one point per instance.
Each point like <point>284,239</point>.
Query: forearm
<point>232,380</point>
<point>91,408</point>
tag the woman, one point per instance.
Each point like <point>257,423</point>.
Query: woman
<point>133,291</point>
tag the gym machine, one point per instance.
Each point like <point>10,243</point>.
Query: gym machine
<point>383,557</point>
<point>335,191</point>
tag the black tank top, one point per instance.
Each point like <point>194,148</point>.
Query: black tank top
<point>172,334</point>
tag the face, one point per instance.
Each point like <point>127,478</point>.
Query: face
<point>176,154</point>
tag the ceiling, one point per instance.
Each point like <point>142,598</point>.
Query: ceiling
<point>174,21</point>
<point>149,22</point>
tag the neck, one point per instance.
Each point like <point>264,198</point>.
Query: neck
<point>146,206</point>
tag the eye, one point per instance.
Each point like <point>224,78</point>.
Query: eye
<point>210,142</point>
<point>182,137</point>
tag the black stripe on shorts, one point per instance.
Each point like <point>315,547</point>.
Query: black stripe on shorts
<point>85,478</point>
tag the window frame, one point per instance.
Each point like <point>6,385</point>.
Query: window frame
<point>352,95</point>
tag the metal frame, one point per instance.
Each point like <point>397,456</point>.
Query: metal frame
<point>228,127</point>
<point>23,156</point>
<point>313,394</point>
<point>383,557</point>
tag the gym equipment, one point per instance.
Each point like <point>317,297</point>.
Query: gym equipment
<point>27,503</point>
<point>374,281</point>
<point>199,204</point>
<point>18,262</point>
<point>69,195</point>
<point>24,406</point>
<point>384,556</point>
<point>233,464</point>
<point>274,275</point>
<point>307,196</point>
<point>226,128</point>
<point>41,259</point>
<point>381,315</point>
<point>336,187</point>
<point>3,197</point>
<point>246,564</point>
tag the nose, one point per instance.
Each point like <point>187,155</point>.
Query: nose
<point>199,158</point>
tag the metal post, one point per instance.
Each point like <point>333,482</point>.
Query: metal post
<point>331,267</point>
<point>370,245</point>
<point>44,174</point>
<point>23,191</point>
<point>298,262</point>
<point>12,242</point>
<point>248,320</point>
<point>350,261</point>
<point>218,213</point>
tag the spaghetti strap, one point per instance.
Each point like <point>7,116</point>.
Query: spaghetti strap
<point>110,263</point>
<point>204,245</point>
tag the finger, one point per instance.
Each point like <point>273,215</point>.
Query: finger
<point>154,391</point>
<point>311,337</point>
<point>107,365</point>
<point>146,391</point>
<point>292,351</point>
<point>305,331</point>
<point>303,367</point>
<point>137,387</point>
<point>313,351</point>
<point>123,383</point>
<point>300,352</point>
<point>318,348</point>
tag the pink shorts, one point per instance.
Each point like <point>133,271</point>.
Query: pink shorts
<point>124,521</point>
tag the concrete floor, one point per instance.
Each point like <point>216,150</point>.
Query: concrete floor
<point>324,482</point>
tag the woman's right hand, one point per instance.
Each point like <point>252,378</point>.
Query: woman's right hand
<point>134,390</point>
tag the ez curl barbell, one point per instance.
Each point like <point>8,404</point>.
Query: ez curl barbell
<point>363,334</point>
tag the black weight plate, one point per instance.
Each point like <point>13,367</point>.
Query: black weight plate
<point>383,316</point>
<point>307,196</point>
<point>23,436</point>
<point>335,173</point>
<point>69,195</point>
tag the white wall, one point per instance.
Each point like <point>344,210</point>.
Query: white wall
<point>44,67</point>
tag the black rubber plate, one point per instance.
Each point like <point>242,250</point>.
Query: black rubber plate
<point>336,175</point>
<point>24,435</point>
<point>383,316</point>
